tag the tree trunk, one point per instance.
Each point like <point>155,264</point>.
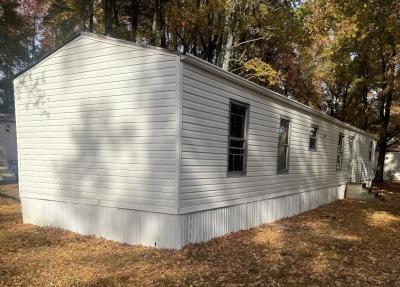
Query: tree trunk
<point>91,16</point>
<point>162,24</point>
<point>134,19</point>
<point>108,17</point>
<point>228,51</point>
<point>154,23</point>
<point>115,14</point>
<point>382,144</point>
<point>384,110</point>
<point>8,89</point>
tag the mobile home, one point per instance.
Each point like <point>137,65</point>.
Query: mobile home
<point>144,146</point>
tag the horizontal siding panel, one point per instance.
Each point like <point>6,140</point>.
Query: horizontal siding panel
<point>138,201</point>
<point>97,140</point>
<point>152,119</point>
<point>223,179</point>
<point>101,113</point>
<point>66,170</point>
<point>111,127</point>
<point>99,98</point>
<point>110,52</point>
<point>152,185</point>
<point>117,189</point>
<point>96,79</point>
<point>110,146</point>
<point>95,62</point>
<point>101,153</point>
<point>59,73</point>
<point>255,190</point>
<point>131,92</point>
<point>124,159</point>
<point>110,106</point>
<point>83,166</point>
<point>118,133</point>
<point>145,79</point>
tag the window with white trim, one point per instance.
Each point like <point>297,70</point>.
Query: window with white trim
<point>313,138</point>
<point>339,152</point>
<point>283,146</point>
<point>237,150</point>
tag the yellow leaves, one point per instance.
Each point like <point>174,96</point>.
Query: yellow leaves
<point>382,218</point>
<point>264,10</point>
<point>256,69</point>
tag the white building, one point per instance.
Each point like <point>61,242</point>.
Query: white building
<point>140,145</point>
<point>8,148</point>
<point>391,169</point>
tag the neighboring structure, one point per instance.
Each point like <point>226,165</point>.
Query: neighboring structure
<point>144,146</point>
<point>8,148</point>
<point>391,169</point>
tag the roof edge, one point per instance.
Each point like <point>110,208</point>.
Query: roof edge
<point>204,65</point>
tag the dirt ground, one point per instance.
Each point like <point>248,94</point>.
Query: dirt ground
<point>347,243</point>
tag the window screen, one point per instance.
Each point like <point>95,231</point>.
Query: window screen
<point>313,138</point>
<point>237,137</point>
<point>283,146</point>
<point>339,152</point>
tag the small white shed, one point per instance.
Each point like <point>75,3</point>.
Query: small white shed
<point>8,148</point>
<point>391,169</point>
<point>144,146</point>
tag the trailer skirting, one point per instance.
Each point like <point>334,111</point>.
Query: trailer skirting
<point>168,230</point>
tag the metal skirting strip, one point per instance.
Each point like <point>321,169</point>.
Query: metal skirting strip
<point>168,230</point>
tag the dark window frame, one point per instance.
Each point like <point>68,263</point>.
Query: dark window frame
<point>242,172</point>
<point>287,146</point>
<point>316,139</point>
<point>339,152</point>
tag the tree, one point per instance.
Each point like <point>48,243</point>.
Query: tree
<point>358,62</point>
<point>16,47</point>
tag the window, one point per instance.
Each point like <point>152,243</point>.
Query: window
<point>371,149</point>
<point>7,128</point>
<point>339,152</point>
<point>313,138</point>
<point>237,137</point>
<point>283,146</point>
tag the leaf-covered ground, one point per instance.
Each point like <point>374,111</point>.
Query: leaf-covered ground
<point>347,243</point>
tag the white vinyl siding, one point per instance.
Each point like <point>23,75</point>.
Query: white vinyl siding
<point>204,181</point>
<point>98,121</point>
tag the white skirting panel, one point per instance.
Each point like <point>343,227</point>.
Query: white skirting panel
<point>168,230</point>
<point>205,225</point>
<point>123,225</point>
